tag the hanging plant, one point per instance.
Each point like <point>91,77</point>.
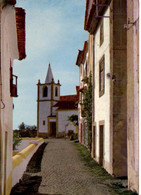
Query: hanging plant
<point>88,109</point>
<point>85,79</point>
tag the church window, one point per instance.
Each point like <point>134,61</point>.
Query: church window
<point>44,122</point>
<point>45,91</point>
<point>56,91</point>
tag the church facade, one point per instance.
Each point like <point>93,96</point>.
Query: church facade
<point>53,110</point>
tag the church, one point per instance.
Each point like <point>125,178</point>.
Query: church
<point>53,110</point>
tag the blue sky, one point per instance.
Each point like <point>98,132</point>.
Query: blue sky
<point>54,33</point>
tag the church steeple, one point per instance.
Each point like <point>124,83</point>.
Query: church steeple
<point>49,76</point>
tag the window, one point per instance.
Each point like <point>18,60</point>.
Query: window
<point>13,83</point>
<point>101,33</point>
<point>86,70</point>
<point>45,91</point>
<point>101,76</point>
<point>56,91</point>
<point>44,122</point>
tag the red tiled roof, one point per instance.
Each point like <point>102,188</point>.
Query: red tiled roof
<point>82,54</point>
<point>20,23</point>
<point>77,90</point>
<point>79,56</point>
<point>66,105</point>
<point>91,21</point>
<point>85,48</point>
<point>12,2</point>
<point>68,102</point>
<point>69,98</point>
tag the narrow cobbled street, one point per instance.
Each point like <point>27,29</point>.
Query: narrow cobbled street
<point>64,173</point>
<point>57,168</point>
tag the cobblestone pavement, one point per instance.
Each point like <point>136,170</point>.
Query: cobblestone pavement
<point>63,173</point>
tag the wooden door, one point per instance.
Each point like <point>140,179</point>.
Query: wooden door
<point>53,129</point>
<point>101,144</point>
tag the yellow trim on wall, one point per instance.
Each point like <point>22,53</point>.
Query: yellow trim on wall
<point>8,184</point>
<point>20,156</point>
<point>34,138</point>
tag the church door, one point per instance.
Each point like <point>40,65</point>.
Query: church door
<point>53,129</point>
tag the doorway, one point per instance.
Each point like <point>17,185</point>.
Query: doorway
<point>101,144</point>
<point>53,129</point>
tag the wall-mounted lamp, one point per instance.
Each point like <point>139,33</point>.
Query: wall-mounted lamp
<point>110,76</point>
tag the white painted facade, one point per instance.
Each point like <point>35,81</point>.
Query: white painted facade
<point>71,126</point>
<point>102,105</point>
<point>52,115</point>
<point>44,112</point>
<point>9,52</point>
<point>63,119</point>
<point>46,106</point>
<point>19,170</point>
<point>83,73</point>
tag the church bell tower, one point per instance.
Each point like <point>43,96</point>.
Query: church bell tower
<point>48,94</point>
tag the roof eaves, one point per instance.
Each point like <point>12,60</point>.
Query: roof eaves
<point>20,23</point>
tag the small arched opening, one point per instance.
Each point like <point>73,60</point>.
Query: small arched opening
<point>45,91</point>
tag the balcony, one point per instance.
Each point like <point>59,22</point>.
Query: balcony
<point>13,86</point>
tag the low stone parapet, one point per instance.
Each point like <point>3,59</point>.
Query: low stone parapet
<point>22,158</point>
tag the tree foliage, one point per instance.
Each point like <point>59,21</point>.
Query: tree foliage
<point>23,126</point>
<point>87,102</point>
<point>16,139</point>
<point>73,118</point>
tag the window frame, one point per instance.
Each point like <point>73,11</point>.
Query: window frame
<point>102,76</point>
<point>101,32</point>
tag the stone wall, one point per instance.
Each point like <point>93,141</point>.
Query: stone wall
<point>119,88</point>
<point>133,94</point>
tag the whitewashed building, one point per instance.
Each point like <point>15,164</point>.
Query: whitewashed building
<point>12,47</point>
<point>82,63</point>
<point>104,20</point>
<point>113,58</point>
<point>53,110</point>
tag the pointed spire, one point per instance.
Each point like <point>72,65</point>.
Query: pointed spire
<point>49,76</point>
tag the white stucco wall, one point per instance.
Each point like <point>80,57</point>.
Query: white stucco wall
<point>44,112</point>
<point>102,104</point>
<point>54,109</point>
<point>63,118</point>
<point>82,74</point>
<point>19,170</point>
<point>9,52</point>
<point>71,126</point>
<point>41,92</point>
